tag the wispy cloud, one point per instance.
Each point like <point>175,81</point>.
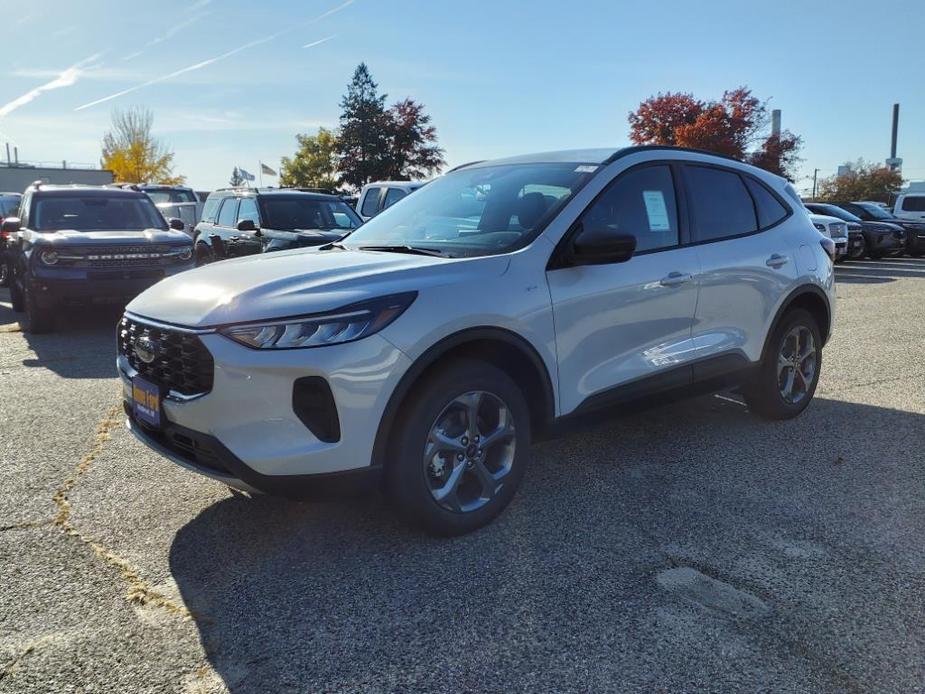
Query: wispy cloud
<point>167,35</point>
<point>216,59</point>
<point>198,5</point>
<point>319,41</point>
<point>65,78</point>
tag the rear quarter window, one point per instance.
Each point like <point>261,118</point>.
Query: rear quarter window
<point>210,209</point>
<point>913,203</point>
<point>770,210</point>
<point>370,202</point>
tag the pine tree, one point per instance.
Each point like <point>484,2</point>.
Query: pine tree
<point>236,178</point>
<point>363,138</point>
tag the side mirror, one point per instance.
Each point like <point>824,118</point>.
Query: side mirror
<point>246,225</point>
<point>10,226</point>
<point>177,224</point>
<point>601,247</point>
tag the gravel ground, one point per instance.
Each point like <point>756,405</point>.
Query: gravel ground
<point>691,547</point>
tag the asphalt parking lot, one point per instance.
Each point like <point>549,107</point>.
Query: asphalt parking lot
<point>690,547</point>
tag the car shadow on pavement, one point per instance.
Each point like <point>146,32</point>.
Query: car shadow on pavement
<point>81,345</point>
<point>879,271</point>
<point>561,591</point>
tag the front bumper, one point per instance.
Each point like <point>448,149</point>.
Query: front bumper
<point>248,420</point>
<point>64,286</point>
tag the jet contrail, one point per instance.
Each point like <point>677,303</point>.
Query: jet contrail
<point>169,33</point>
<point>319,41</point>
<point>210,61</point>
<point>181,71</point>
<point>66,79</point>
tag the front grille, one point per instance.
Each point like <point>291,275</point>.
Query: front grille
<point>181,362</point>
<point>120,256</point>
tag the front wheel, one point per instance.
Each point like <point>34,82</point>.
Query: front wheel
<point>460,448</point>
<point>38,320</point>
<point>858,252</point>
<point>789,373</point>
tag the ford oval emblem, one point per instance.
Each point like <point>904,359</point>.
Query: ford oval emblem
<point>146,349</point>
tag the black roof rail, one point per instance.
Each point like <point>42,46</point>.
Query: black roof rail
<point>626,151</point>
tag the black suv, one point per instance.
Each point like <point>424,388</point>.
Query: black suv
<point>880,238</point>
<point>86,245</point>
<point>869,212</point>
<point>244,221</point>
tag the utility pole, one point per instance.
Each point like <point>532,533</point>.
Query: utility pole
<point>815,174</point>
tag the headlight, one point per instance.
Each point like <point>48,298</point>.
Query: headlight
<point>345,325</point>
<point>49,257</point>
<point>821,228</point>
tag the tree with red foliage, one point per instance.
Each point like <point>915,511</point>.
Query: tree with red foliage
<point>730,126</point>
<point>413,150</point>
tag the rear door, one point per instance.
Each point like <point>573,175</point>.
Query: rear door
<point>223,233</point>
<point>626,327</point>
<point>749,259</point>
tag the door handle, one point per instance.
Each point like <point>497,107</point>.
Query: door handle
<point>673,279</point>
<point>776,260</point>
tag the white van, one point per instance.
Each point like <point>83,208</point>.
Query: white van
<point>910,206</point>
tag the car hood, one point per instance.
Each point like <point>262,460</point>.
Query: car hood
<point>69,237</point>
<point>297,282</point>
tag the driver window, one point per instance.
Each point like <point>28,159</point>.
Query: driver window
<point>640,202</point>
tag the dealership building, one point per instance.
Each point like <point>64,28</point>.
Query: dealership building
<point>15,177</point>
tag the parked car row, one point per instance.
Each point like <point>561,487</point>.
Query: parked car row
<point>881,234</point>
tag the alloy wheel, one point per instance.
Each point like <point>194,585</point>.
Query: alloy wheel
<point>796,365</point>
<point>469,451</point>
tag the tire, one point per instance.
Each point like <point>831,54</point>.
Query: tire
<point>203,255</point>
<point>38,320</point>
<point>764,394</point>
<point>16,296</point>
<point>4,273</point>
<point>421,467</point>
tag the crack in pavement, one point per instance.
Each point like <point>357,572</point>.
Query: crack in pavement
<point>11,666</point>
<point>28,525</point>
<point>139,592</point>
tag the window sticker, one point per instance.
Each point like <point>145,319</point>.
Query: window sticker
<point>656,210</point>
<point>586,168</point>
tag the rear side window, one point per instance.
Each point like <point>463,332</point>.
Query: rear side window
<point>392,196</point>
<point>770,211</point>
<point>370,202</point>
<point>210,209</point>
<point>227,216</point>
<point>914,203</point>
<point>721,204</point>
<point>640,202</point>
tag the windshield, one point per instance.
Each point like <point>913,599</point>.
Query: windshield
<point>474,212</point>
<point>95,213</point>
<point>874,211</point>
<point>159,196</point>
<point>8,206</point>
<point>834,211</point>
<point>290,214</point>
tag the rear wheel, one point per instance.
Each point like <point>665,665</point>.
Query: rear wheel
<point>203,254</point>
<point>788,375</point>
<point>460,449</point>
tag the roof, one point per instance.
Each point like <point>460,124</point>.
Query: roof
<point>276,192</point>
<point>66,190</point>
<point>599,156</point>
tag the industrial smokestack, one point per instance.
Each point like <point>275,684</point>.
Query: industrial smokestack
<point>775,122</point>
<point>16,154</point>
<point>8,160</point>
<point>895,131</point>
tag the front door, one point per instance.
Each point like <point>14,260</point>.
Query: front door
<point>628,323</point>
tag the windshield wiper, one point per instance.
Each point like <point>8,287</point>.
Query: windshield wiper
<point>413,250</point>
<point>334,244</point>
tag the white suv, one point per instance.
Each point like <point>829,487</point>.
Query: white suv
<point>429,347</point>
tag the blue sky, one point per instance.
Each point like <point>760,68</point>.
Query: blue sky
<point>230,82</point>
